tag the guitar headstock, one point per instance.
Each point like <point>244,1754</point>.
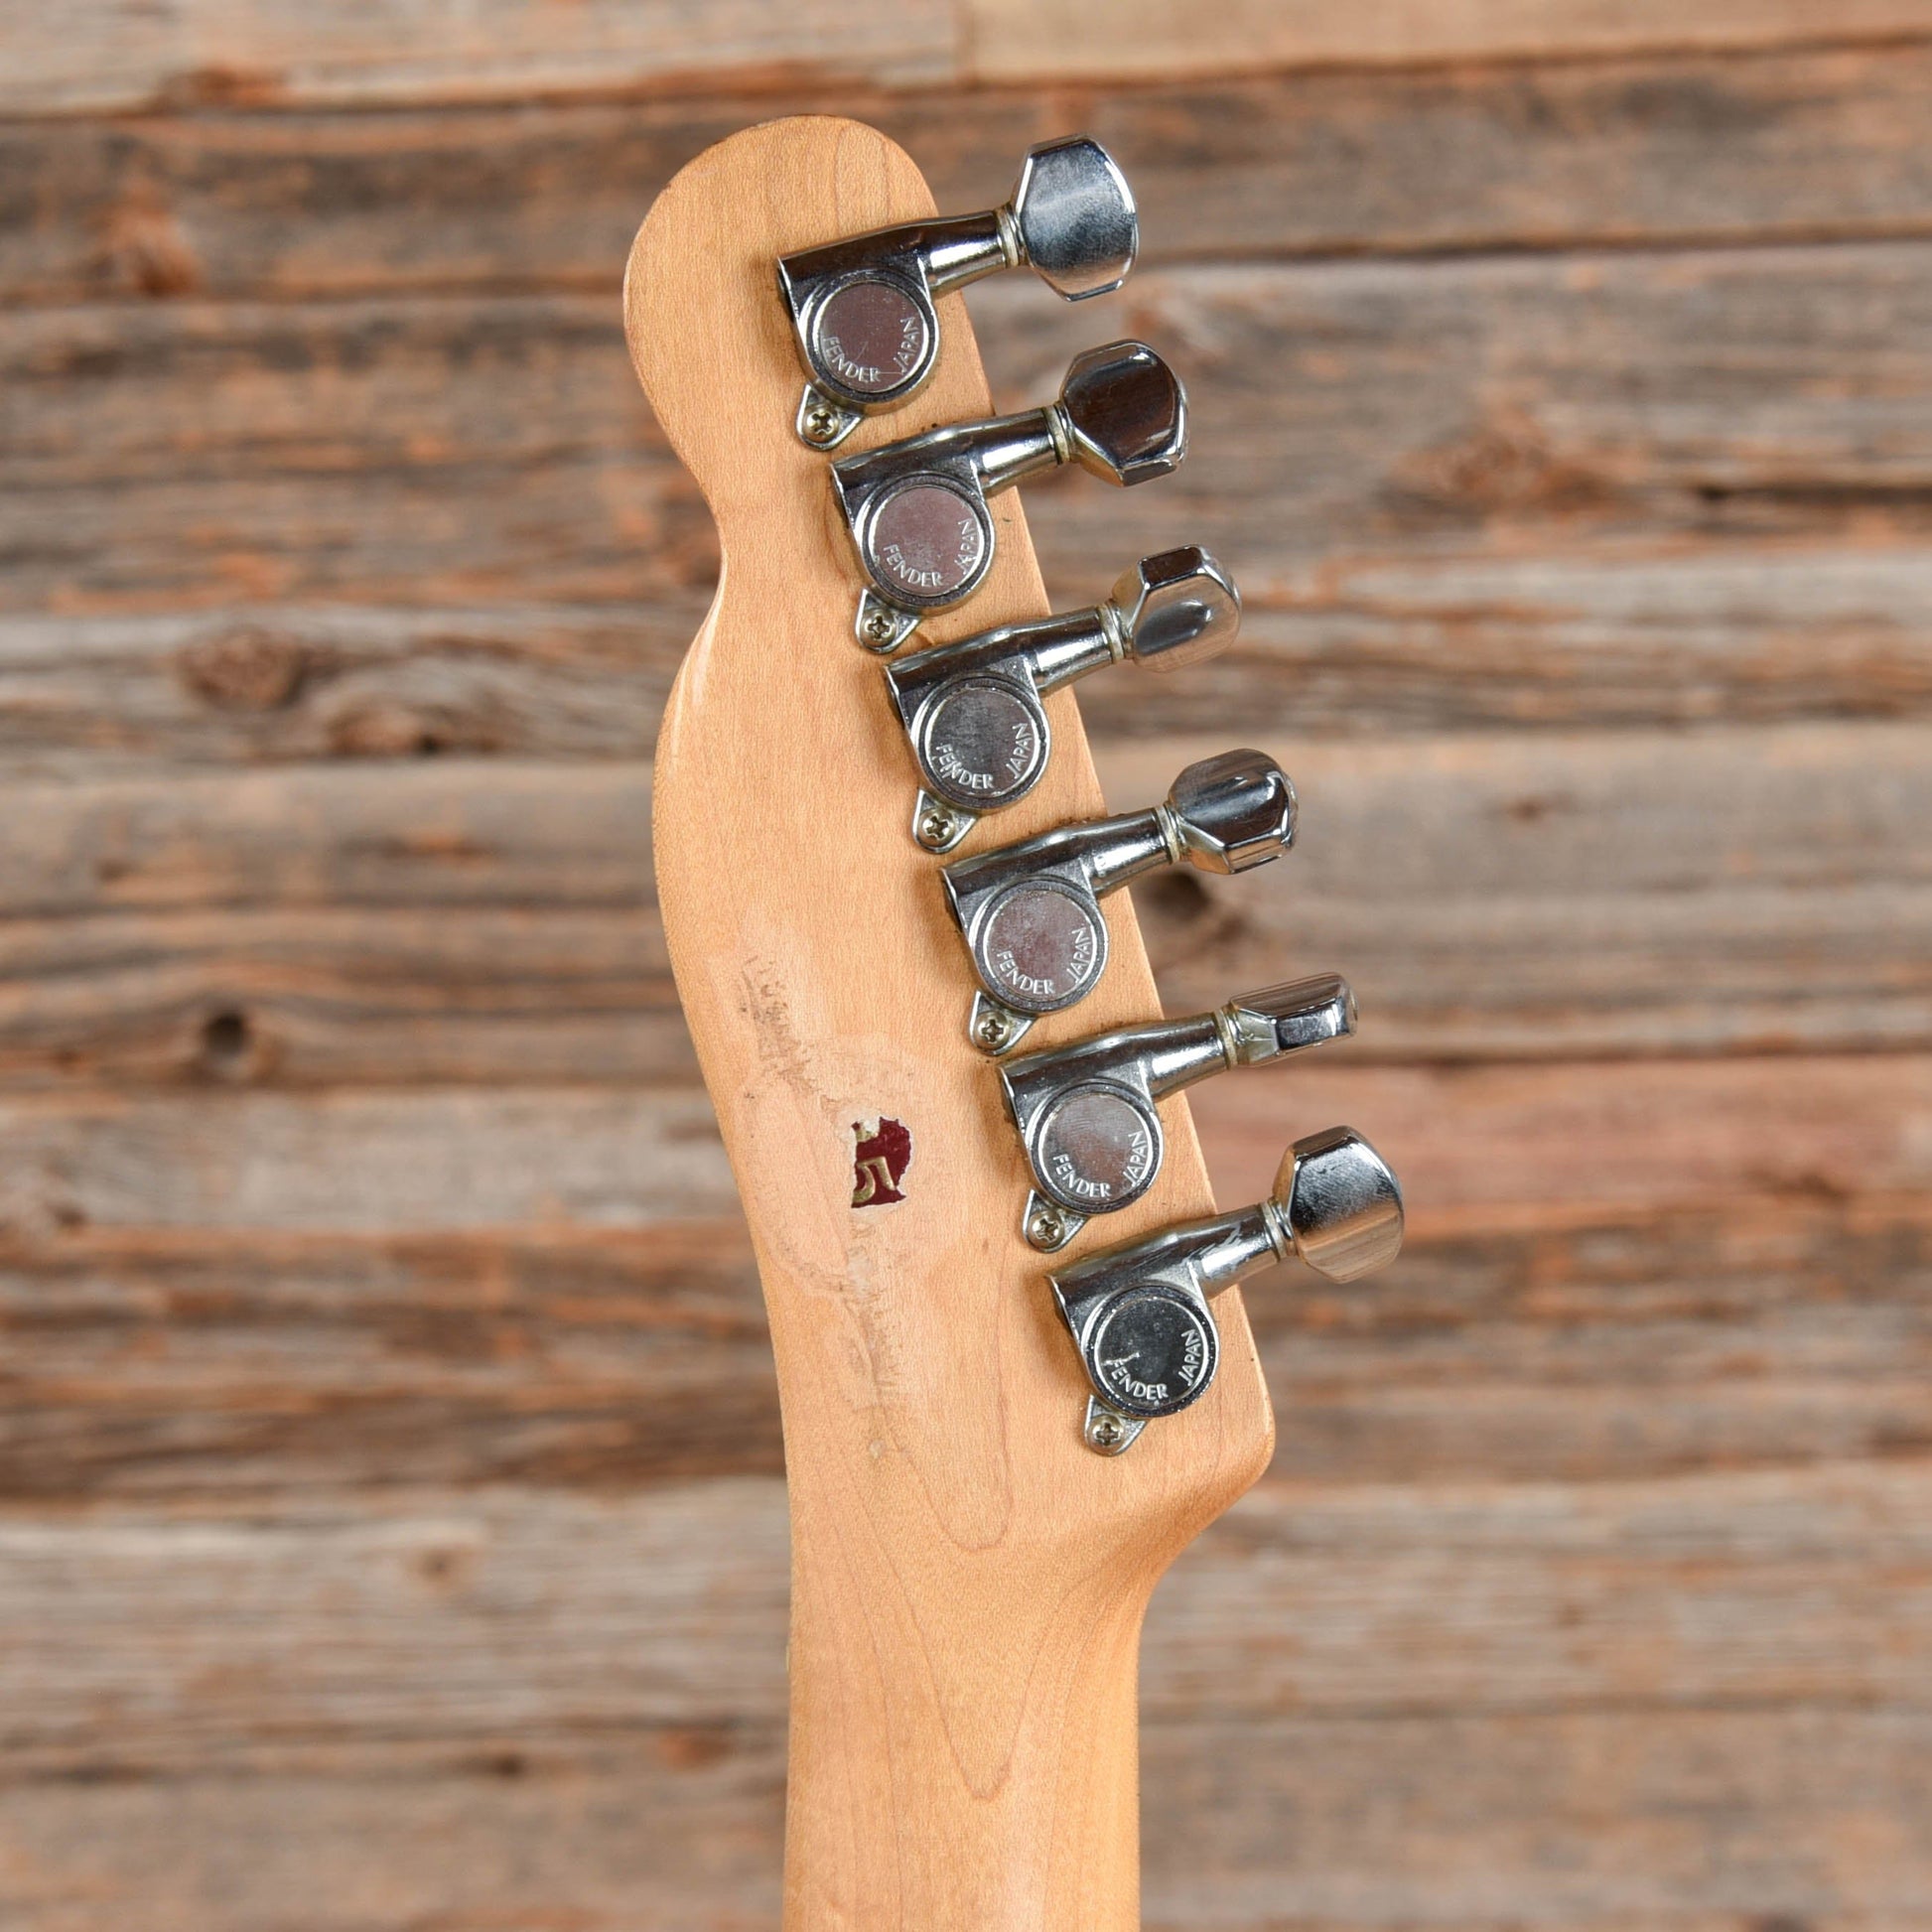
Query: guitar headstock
<point>940,1428</point>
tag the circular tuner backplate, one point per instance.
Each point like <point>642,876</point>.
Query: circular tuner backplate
<point>983,743</point>
<point>1096,1147</point>
<point>1151,1351</point>
<point>873,340</point>
<point>1040,945</point>
<point>927,542</point>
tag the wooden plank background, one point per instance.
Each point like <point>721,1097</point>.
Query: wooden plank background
<point>391,1529</point>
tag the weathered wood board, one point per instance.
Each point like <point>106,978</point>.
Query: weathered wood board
<point>1534,457</point>
<point>114,53</point>
<point>1254,165</point>
<point>306,924</point>
<point>391,1530</point>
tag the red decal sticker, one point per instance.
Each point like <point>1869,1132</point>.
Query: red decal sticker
<point>879,1163</point>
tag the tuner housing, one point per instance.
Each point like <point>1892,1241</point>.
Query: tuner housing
<point>1030,913</point>
<point>1086,1112</point>
<point>1138,1314</point>
<point>918,510</point>
<point>973,711</point>
<point>864,310</point>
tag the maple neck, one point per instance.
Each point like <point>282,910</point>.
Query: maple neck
<point>962,1756</point>
<point>969,1577</point>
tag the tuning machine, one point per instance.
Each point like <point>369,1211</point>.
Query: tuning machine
<point>917,508</point>
<point>1086,1111</point>
<point>864,309</point>
<point>1030,913</point>
<point>1138,1314</point>
<point>972,710</point>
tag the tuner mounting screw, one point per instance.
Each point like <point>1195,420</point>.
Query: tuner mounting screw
<point>1106,1430</point>
<point>820,424</point>
<point>879,627</point>
<point>992,1030</point>
<point>1047,1228</point>
<point>939,827</point>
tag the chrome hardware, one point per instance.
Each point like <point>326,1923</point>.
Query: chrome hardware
<point>1138,1314</point>
<point>1030,913</point>
<point>864,308</point>
<point>1086,1112</point>
<point>973,711</point>
<point>1106,1430</point>
<point>918,510</point>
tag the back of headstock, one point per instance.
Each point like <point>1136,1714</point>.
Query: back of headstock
<point>968,1574</point>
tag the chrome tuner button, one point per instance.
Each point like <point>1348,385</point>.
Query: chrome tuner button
<point>1030,913</point>
<point>973,711</point>
<point>1176,609</point>
<point>917,508</point>
<point>1341,1203</point>
<point>1138,1314</point>
<point>1231,812</point>
<point>1125,414</point>
<point>864,309</point>
<point>1086,1112</point>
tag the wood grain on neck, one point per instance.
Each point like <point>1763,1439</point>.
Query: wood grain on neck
<point>967,1579</point>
